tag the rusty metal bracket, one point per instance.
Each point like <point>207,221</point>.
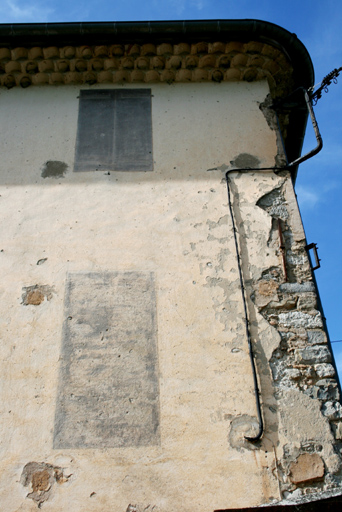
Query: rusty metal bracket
<point>314,247</point>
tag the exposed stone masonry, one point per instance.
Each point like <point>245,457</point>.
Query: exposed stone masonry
<point>183,62</point>
<point>302,361</point>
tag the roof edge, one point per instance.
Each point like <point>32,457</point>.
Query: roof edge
<point>164,31</point>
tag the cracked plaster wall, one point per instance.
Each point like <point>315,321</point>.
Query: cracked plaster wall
<point>173,223</point>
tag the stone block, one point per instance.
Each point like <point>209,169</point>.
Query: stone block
<point>299,319</point>
<point>307,468</point>
<point>325,370</point>
<point>337,429</point>
<point>315,354</point>
<point>332,410</point>
<point>316,337</point>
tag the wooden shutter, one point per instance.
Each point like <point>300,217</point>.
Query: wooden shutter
<point>114,131</point>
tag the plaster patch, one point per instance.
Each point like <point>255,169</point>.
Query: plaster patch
<point>41,477</point>
<point>54,169</point>
<point>36,294</point>
<point>108,392</point>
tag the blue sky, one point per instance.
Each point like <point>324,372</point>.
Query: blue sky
<point>318,25</point>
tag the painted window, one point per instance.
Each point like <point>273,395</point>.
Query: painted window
<point>114,130</point>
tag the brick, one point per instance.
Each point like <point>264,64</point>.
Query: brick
<point>250,74</point>
<point>89,77</point>
<point>200,75</point>
<point>239,60</point>
<point>105,77</point>
<point>110,64</point>
<point>63,65</point>
<point>158,62</point>
<point>165,49</point>
<point>216,75</point>
<point>45,66</point>
<point>40,78</point>
<point>148,49</point>
<point>137,75</point>
<point>152,76</point>
<point>307,468</point>
<point>52,52</point>
<point>217,47</point>
<point>232,75</point>
<point>174,62</point>
<point>25,81</point>
<point>121,76</point>
<point>19,54</point>
<point>96,64</point>
<point>184,75</point>
<point>117,50</point>
<point>133,50</point>
<point>31,67</point>
<point>58,79</point>
<point>8,81</point>
<point>182,49</point>
<point>85,52</point>
<point>69,52</point>
<point>208,61</point>
<point>101,51</point>
<point>5,54</point>
<point>191,62</point>
<point>35,53</point>
<point>13,67</point>
<point>127,63</point>
<point>143,63</point>
<point>167,76</point>
<point>224,61</point>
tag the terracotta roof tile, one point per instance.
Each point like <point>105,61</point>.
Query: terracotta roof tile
<point>183,62</point>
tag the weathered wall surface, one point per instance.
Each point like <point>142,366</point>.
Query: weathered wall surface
<point>126,377</point>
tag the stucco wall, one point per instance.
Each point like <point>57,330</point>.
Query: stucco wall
<point>167,235</point>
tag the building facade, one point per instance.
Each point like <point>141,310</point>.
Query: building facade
<point>162,344</point>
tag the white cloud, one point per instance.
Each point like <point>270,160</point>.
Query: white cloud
<point>20,12</point>
<point>307,198</point>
